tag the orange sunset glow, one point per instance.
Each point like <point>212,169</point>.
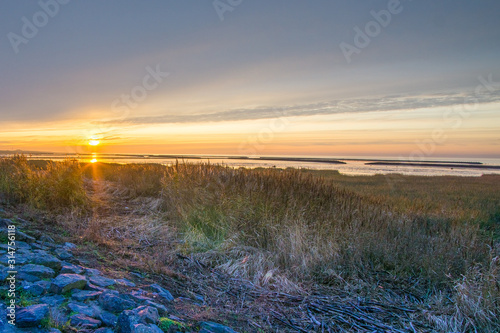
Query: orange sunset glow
<point>297,92</point>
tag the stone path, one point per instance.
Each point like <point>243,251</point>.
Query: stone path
<point>55,293</point>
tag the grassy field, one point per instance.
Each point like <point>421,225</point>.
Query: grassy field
<point>295,230</point>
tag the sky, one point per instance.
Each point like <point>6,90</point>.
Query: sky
<point>413,79</point>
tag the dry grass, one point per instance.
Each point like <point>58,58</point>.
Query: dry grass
<point>435,239</point>
<point>56,187</point>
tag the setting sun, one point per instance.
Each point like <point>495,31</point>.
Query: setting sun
<point>93,142</point>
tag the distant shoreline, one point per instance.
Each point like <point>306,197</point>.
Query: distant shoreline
<point>445,165</point>
<point>325,160</point>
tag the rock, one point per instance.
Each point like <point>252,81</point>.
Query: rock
<point>46,244</point>
<point>38,246</point>
<point>147,314</point>
<point>40,271</point>
<point>104,330</point>
<point>83,295</point>
<point>93,287</point>
<point>31,316</point>
<point>20,245</point>
<point>141,328</point>
<point>215,328</point>
<point>162,292</point>
<point>24,237</point>
<point>20,258</point>
<point>71,269</point>
<point>69,246</point>
<point>53,301</point>
<point>92,271</point>
<point>126,321</point>
<point>139,275</point>
<point>46,239</point>
<point>138,320</point>
<point>23,276</point>
<point>4,273</point>
<point>114,303</point>
<point>108,318</point>
<point>4,223</point>
<point>125,282</point>
<point>43,258</point>
<point>65,282</point>
<point>139,296</point>
<point>101,281</point>
<point>82,308</point>
<point>38,288</point>
<point>61,253</point>
<point>162,309</point>
<point>82,321</point>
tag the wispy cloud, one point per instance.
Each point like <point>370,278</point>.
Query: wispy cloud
<point>362,105</point>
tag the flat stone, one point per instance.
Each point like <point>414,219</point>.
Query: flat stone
<point>24,237</point>
<point>139,296</point>
<point>147,314</point>
<point>61,253</point>
<point>101,281</point>
<point>125,282</point>
<point>22,245</point>
<point>104,330</point>
<point>38,288</point>
<point>93,287</point>
<point>53,301</point>
<point>38,246</point>
<point>71,269</point>
<point>31,316</point>
<point>4,223</point>
<point>82,308</point>
<point>108,318</point>
<point>216,328</point>
<point>139,275</point>
<point>114,303</point>
<point>162,292</point>
<point>82,321</point>
<point>83,295</point>
<point>92,271</point>
<point>69,246</point>
<point>24,251</point>
<point>43,258</point>
<point>47,244</point>
<point>47,239</point>
<point>23,276</point>
<point>42,286</point>
<point>141,328</point>
<point>65,282</point>
<point>162,309</point>
<point>40,271</point>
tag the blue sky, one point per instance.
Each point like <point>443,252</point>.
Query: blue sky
<point>227,78</point>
